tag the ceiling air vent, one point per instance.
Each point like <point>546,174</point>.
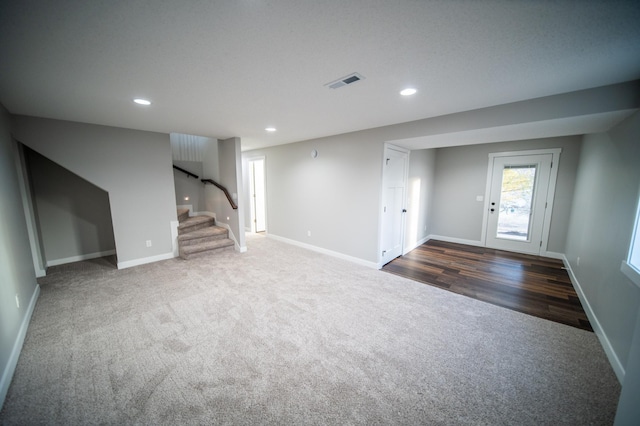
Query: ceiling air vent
<point>349,79</point>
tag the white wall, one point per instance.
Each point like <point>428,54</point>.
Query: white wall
<point>74,216</point>
<point>134,167</point>
<point>599,233</point>
<point>17,274</point>
<point>461,175</point>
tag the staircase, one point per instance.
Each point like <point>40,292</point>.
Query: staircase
<point>199,235</point>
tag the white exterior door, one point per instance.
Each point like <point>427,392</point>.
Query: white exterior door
<point>394,179</point>
<point>520,201</point>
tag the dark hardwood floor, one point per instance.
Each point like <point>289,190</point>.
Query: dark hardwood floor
<point>533,285</point>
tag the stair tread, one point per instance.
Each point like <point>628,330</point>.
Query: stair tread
<point>209,245</point>
<point>204,232</point>
<point>195,220</point>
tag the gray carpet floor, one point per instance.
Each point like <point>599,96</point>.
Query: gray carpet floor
<point>282,335</point>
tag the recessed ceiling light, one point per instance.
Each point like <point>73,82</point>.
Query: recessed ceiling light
<point>408,92</point>
<point>270,129</point>
<point>140,101</point>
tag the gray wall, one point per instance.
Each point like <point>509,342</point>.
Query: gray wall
<point>229,176</point>
<point>601,224</point>
<point>422,166</point>
<point>134,167</point>
<point>461,175</point>
<point>188,186</point>
<point>17,274</point>
<point>335,196</point>
<point>74,216</point>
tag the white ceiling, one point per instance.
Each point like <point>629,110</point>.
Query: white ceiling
<point>232,68</point>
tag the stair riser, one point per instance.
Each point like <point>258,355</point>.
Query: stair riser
<point>195,241</point>
<point>183,217</point>
<point>206,252</point>
<point>195,227</point>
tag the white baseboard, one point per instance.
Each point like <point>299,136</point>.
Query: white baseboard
<point>174,237</point>
<point>238,248</point>
<point>10,368</point>
<point>357,260</point>
<point>145,260</point>
<point>553,255</point>
<point>455,240</point>
<point>416,245</point>
<point>617,366</point>
<point>79,258</point>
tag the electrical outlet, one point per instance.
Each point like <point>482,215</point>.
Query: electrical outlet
<point>578,261</point>
<point>149,243</point>
<point>17,301</point>
<point>308,233</point>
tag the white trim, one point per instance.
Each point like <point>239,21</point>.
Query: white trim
<point>237,246</point>
<point>10,368</point>
<point>550,196</point>
<point>416,245</point>
<point>174,237</point>
<point>249,160</point>
<point>617,366</point>
<point>145,260</point>
<point>357,260</point>
<point>552,255</point>
<point>630,272</point>
<point>456,240</point>
<point>79,258</point>
<point>387,145</point>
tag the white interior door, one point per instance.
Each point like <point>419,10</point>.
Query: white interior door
<point>394,179</point>
<point>518,200</point>
<point>257,188</point>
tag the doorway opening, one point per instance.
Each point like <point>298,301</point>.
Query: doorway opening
<point>257,193</point>
<point>395,169</point>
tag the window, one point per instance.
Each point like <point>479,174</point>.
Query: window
<point>631,267</point>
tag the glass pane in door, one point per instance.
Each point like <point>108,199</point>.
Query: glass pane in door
<point>516,197</point>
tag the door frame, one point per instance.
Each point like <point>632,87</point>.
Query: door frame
<point>386,146</point>
<point>251,198</point>
<point>546,227</point>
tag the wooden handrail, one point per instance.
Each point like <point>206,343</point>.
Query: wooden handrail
<point>212,182</point>
<point>187,172</point>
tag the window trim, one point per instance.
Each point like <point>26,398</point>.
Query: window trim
<point>628,268</point>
